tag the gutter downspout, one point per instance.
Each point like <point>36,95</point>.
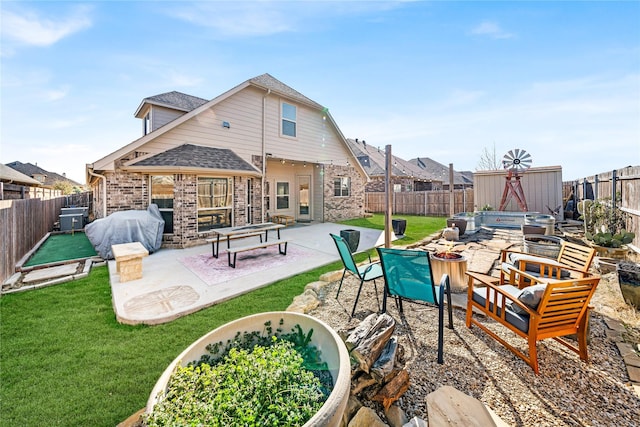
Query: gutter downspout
<point>264,151</point>
<point>104,190</point>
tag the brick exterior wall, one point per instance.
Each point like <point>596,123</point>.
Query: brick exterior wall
<point>239,201</point>
<point>128,191</point>
<point>337,208</point>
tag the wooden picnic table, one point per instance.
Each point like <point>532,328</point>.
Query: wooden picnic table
<point>231,233</point>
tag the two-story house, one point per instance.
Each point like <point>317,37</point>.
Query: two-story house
<point>259,149</point>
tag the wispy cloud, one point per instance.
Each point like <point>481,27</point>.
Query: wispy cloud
<point>463,97</point>
<point>491,29</point>
<point>57,94</point>
<point>237,18</point>
<point>183,80</point>
<point>32,29</point>
<point>262,18</point>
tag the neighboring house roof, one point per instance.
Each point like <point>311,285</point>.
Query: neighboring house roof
<point>442,171</point>
<point>50,178</point>
<point>373,160</point>
<point>12,176</point>
<point>189,156</point>
<point>174,99</point>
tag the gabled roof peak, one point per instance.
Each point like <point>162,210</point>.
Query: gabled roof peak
<point>267,81</point>
<point>174,99</point>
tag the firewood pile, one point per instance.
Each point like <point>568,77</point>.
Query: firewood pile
<point>377,368</point>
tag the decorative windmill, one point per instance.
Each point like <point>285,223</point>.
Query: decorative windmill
<point>516,162</point>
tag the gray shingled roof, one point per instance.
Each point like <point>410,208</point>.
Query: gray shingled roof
<point>31,170</point>
<point>373,161</point>
<point>10,175</point>
<point>269,82</point>
<point>438,169</point>
<point>197,156</point>
<point>177,100</point>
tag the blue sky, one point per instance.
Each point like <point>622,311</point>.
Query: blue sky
<point>441,79</point>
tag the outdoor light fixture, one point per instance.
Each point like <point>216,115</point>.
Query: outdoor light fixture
<point>226,125</point>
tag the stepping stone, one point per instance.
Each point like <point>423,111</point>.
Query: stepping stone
<point>448,407</point>
<point>50,273</point>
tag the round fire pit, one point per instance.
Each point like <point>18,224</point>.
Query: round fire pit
<point>453,264</point>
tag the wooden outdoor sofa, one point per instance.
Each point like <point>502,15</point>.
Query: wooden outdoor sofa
<point>573,261</point>
<point>563,309</point>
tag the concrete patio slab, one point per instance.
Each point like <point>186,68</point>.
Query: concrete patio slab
<point>169,290</point>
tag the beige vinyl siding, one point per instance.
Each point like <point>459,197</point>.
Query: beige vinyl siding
<point>160,116</point>
<point>311,130</point>
<point>542,187</point>
<point>244,114</point>
<point>276,171</point>
<point>243,111</point>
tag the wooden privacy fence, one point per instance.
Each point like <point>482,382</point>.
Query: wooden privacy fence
<point>426,203</point>
<point>625,182</point>
<point>25,222</point>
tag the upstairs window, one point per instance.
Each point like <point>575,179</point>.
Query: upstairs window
<point>289,119</point>
<point>146,124</point>
<point>342,186</point>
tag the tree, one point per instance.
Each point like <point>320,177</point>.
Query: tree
<point>489,160</point>
<point>65,186</point>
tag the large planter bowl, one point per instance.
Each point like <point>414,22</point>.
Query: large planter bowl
<point>537,244</point>
<point>629,280</point>
<point>332,348</point>
<point>546,221</point>
<point>607,252</point>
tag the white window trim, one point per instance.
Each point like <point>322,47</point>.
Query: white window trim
<point>220,208</point>
<point>147,126</point>
<point>282,119</point>
<point>287,195</point>
<point>348,188</point>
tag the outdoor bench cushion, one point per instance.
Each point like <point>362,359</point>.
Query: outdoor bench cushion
<point>530,296</point>
<point>519,321</point>
<point>533,267</point>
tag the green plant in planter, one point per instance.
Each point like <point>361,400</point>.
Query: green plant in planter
<point>605,225</point>
<point>255,379</point>
<point>609,240</point>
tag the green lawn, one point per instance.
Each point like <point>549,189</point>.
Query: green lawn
<point>418,227</point>
<point>65,360</point>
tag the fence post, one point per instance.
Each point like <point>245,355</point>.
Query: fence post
<point>614,177</point>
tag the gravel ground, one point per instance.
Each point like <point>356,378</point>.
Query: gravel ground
<point>567,392</point>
